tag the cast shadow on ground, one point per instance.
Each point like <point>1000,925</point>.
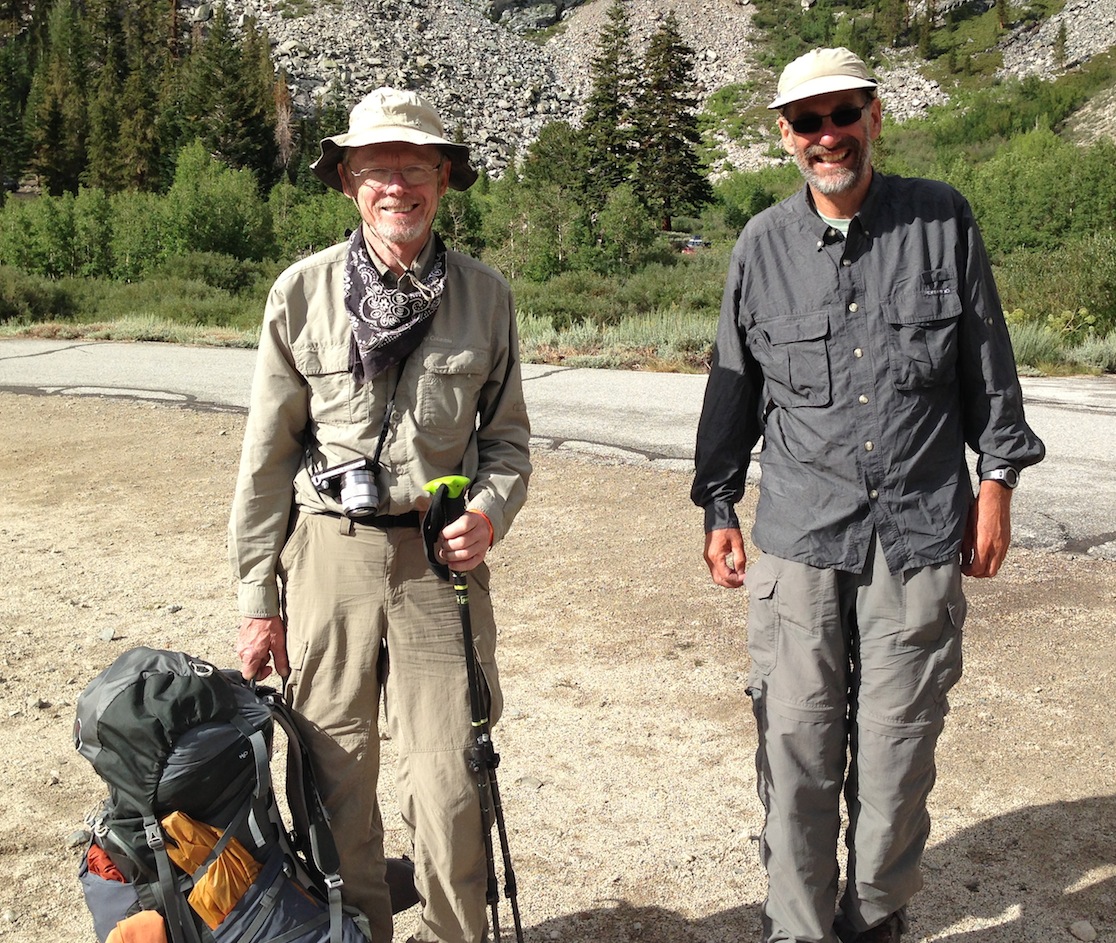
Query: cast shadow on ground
<point>990,881</point>
<point>1055,861</point>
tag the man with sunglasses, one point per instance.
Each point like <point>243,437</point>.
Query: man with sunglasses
<point>384,362</point>
<point>862,337</point>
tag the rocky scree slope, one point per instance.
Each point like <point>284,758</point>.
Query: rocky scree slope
<point>500,88</point>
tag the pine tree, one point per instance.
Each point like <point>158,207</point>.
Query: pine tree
<point>607,126</point>
<point>56,106</point>
<point>228,104</point>
<point>1060,46</point>
<point>669,177</point>
<point>15,84</point>
<point>128,55</point>
<point>149,35</point>
<point>105,169</point>
<point>558,155</point>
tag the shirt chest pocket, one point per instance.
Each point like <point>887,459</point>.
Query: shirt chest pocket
<point>335,398</point>
<point>449,391</point>
<point>794,353</point>
<point>922,332</point>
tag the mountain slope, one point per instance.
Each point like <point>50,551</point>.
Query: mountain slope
<point>499,88</point>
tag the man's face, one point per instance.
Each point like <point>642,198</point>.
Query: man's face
<point>401,214</point>
<point>833,159</point>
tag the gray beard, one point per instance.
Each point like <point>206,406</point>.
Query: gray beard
<point>840,182</point>
<point>399,234</point>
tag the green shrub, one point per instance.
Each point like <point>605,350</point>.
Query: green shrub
<point>177,300</point>
<point>1042,286</point>
<point>210,268</point>
<point>211,208</point>
<point>567,299</point>
<point>1097,352</point>
<point>1035,345</point>
<point>31,298</point>
<point>304,223</point>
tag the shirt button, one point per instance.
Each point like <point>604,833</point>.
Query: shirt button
<point>846,262</point>
<point>821,245</point>
<point>873,494</point>
<point>858,353</point>
<point>868,446</point>
<point>854,307</point>
<point>863,399</point>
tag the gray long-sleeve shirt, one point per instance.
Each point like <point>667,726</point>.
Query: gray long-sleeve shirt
<point>867,364</point>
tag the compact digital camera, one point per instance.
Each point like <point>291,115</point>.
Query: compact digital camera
<point>357,482</point>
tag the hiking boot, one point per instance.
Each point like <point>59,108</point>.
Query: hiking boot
<point>890,931</point>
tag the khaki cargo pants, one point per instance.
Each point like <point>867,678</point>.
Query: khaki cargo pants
<point>848,679</point>
<point>365,616</point>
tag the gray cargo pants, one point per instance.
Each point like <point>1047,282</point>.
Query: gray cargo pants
<point>848,679</point>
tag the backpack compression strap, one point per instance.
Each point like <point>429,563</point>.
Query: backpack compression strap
<point>180,921</point>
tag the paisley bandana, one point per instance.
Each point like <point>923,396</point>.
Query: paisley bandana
<point>388,321</point>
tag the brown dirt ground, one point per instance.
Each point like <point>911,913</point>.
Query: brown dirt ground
<point>627,742</point>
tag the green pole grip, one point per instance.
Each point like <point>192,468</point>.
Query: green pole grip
<point>455,485</point>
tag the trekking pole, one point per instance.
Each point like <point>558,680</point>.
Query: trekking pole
<point>447,505</point>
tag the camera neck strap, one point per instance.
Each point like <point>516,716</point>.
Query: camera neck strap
<point>385,425</point>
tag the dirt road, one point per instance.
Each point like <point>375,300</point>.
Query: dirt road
<point>627,742</point>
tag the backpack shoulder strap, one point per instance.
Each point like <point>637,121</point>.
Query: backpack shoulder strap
<point>311,821</point>
<point>313,835</point>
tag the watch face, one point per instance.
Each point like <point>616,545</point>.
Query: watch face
<point>1009,476</point>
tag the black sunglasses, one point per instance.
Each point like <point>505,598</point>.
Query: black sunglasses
<point>842,117</point>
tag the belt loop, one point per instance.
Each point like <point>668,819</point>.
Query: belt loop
<point>346,527</point>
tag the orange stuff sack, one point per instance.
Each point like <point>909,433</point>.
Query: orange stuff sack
<point>225,880</point>
<point>103,866</point>
<point>144,927</point>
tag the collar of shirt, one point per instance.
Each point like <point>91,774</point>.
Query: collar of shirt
<point>866,219</point>
<point>423,261</point>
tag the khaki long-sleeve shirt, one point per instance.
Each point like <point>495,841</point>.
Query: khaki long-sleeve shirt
<point>459,410</point>
<point>867,364</point>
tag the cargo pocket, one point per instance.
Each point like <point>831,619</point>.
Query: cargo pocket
<point>484,638</point>
<point>922,332</point>
<point>796,360</point>
<point>449,390</point>
<point>763,618</point>
<point>949,664</point>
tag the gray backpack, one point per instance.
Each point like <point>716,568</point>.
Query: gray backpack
<point>168,732</point>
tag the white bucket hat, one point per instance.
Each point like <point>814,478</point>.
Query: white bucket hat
<point>390,116</point>
<point>819,72</point>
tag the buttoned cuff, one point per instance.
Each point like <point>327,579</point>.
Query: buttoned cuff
<point>257,602</point>
<point>720,516</point>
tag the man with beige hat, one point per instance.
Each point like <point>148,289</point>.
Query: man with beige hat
<point>862,337</point>
<point>385,362</point>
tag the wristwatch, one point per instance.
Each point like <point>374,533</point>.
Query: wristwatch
<point>1008,477</point>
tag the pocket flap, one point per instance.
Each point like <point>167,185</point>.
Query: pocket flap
<point>935,297</point>
<point>315,360</point>
<point>810,327</point>
<point>445,361</point>
<point>761,583</point>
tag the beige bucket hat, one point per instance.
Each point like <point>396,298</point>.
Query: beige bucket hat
<point>388,116</point>
<point>820,72</point>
